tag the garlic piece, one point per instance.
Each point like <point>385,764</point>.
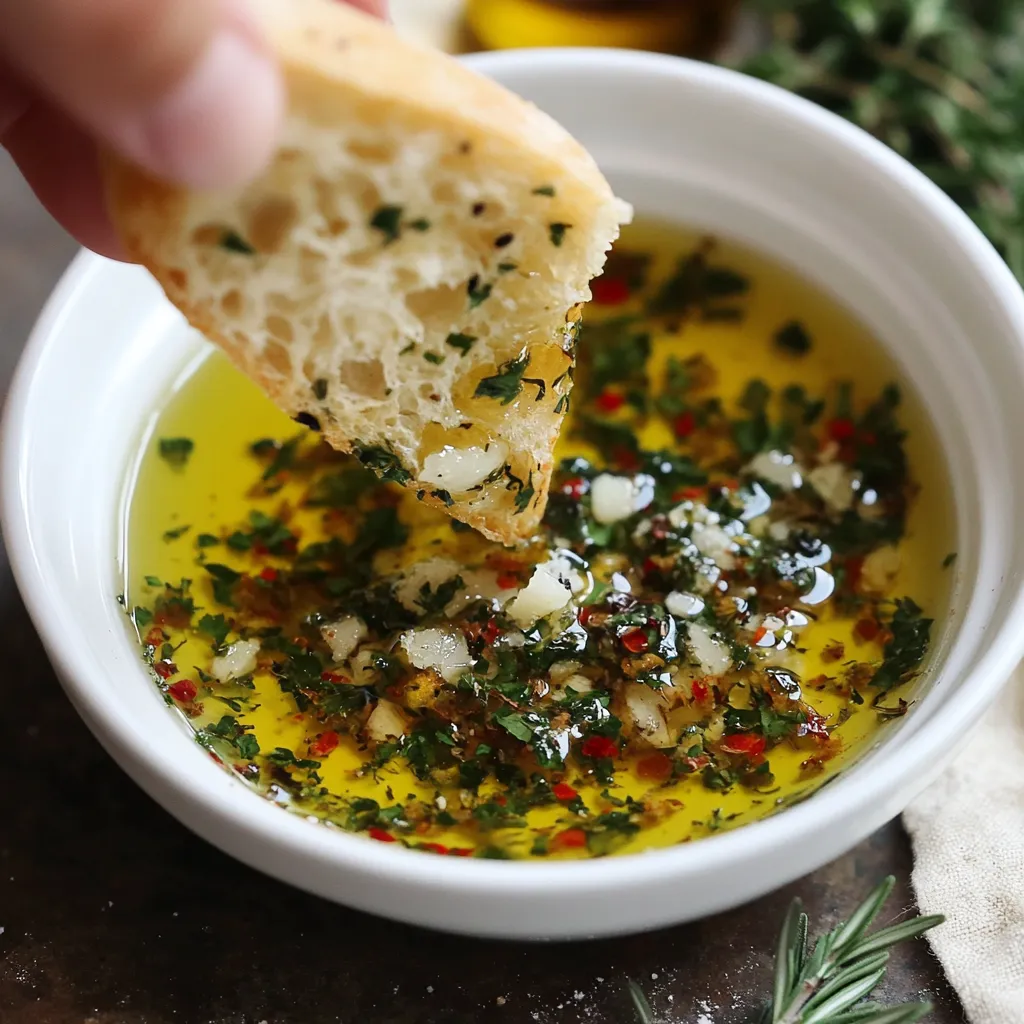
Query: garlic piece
<point>344,636</point>
<point>714,657</point>
<point>551,587</point>
<point>443,650</point>
<point>612,498</point>
<point>459,469</point>
<point>778,469</point>
<point>238,660</point>
<point>386,722</point>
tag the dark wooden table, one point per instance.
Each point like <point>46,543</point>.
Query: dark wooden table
<point>112,913</point>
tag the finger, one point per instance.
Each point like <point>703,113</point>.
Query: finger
<point>58,160</point>
<point>185,88</point>
<point>377,7</point>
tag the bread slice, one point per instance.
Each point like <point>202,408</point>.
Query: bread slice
<point>407,275</point>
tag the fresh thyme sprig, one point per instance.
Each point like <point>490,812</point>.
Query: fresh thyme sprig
<point>829,983</point>
<point>940,81</point>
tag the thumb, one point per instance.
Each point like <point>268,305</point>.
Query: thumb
<point>184,88</point>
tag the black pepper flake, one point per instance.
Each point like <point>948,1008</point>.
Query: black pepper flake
<point>478,208</point>
<point>465,147</point>
<point>502,240</point>
<point>308,420</point>
<point>320,388</point>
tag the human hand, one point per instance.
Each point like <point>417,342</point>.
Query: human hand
<point>184,88</point>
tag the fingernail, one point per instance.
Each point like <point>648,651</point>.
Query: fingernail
<point>218,126</point>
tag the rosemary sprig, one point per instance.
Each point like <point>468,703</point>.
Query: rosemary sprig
<point>829,983</point>
<point>940,81</point>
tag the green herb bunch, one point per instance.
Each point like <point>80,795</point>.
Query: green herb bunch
<point>830,983</point>
<point>940,81</point>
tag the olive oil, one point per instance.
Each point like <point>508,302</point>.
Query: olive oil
<point>184,510</point>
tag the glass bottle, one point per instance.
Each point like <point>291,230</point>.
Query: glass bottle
<point>693,27</point>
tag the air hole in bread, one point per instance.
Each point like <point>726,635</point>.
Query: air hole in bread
<point>364,378</point>
<point>277,356</point>
<point>442,301</point>
<point>444,192</point>
<point>371,152</point>
<point>232,303</point>
<point>270,223</point>
<point>279,328</point>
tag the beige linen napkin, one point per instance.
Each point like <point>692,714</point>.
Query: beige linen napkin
<point>968,836</point>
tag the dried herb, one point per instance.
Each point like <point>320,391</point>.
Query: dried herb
<point>940,82</point>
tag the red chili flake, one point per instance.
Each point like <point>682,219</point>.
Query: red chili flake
<point>699,690</point>
<point>599,746</point>
<point>460,851</point>
<point>575,487</point>
<point>324,743</point>
<point>333,677</point>
<point>563,791</point>
<point>570,839</point>
<point>635,640</point>
<point>684,424</point>
<point>586,612</point>
<point>502,563</point>
<point>183,690</point>
<point>866,630</point>
<point>759,635</point>
<point>508,581</point>
<point>854,567</point>
<point>609,291</point>
<point>747,743</point>
<point>268,574</point>
<point>841,429</point>
<point>155,637</point>
<point>868,438</point>
<point>657,767</point>
<point>380,835</point>
<point>491,632</point>
<point>165,669</point>
<point>500,800</point>
<point>650,567</point>
<point>609,401</point>
<point>625,458</point>
<point>434,848</point>
<point>688,494</point>
<point>260,549</point>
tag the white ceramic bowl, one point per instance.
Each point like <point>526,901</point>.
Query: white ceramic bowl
<point>683,141</point>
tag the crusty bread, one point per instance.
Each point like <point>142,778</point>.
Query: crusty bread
<point>407,274</point>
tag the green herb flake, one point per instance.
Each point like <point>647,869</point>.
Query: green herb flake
<point>478,292</point>
<point>793,338</point>
<point>207,540</point>
<point>907,646</point>
<point>174,534</point>
<point>388,220</point>
<point>544,190</point>
<point>232,241</point>
<point>949,560</point>
<point>506,384</point>
<point>434,357</point>
<point>420,224</point>
<point>462,342</point>
<point>176,450</point>
<point>384,462</point>
<point>556,232</point>
<point>142,616</point>
<point>320,389</point>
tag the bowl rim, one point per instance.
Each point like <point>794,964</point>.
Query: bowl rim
<point>289,834</point>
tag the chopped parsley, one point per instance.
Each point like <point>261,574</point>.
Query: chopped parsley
<point>176,450</point>
<point>505,385</point>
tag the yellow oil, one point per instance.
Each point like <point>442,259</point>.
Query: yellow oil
<point>224,413</point>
